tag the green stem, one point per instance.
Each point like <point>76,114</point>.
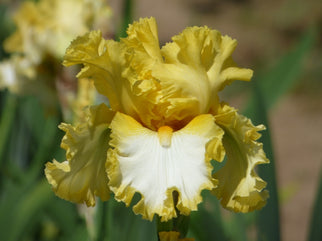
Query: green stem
<point>179,224</point>
<point>102,224</point>
<point>109,218</point>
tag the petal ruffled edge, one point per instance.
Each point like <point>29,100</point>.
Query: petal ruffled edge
<point>129,88</point>
<point>82,176</point>
<point>240,189</point>
<point>124,127</point>
<point>197,65</point>
<point>103,62</point>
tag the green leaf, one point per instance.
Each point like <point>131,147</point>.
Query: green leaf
<point>268,223</point>
<point>207,224</point>
<point>8,113</point>
<point>268,89</point>
<point>46,146</point>
<point>121,224</point>
<point>127,18</point>
<point>315,233</point>
<point>65,216</point>
<point>20,211</point>
<point>125,225</point>
<point>6,26</point>
<point>102,220</point>
<point>237,226</point>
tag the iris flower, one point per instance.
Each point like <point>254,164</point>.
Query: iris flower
<point>47,27</point>
<point>162,126</point>
<point>44,29</point>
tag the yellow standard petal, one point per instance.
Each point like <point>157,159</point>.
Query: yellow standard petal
<point>82,176</point>
<point>197,64</point>
<point>143,38</point>
<point>172,236</point>
<point>240,188</point>
<point>156,164</point>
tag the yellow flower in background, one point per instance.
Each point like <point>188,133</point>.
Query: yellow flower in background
<point>47,27</point>
<point>44,29</point>
<point>164,125</point>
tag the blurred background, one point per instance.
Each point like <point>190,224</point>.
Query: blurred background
<point>268,33</point>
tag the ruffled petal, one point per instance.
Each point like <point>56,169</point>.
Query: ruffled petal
<point>143,38</point>
<point>172,236</point>
<point>240,188</point>
<point>82,177</point>
<point>197,64</point>
<point>143,52</point>
<point>104,62</point>
<point>86,94</point>
<point>100,64</point>
<point>156,164</point>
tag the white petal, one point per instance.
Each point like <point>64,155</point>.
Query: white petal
<point>140,163</point>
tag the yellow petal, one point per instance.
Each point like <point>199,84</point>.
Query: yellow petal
<point>172,236</point>
<point>104,62</point>
<point>144,162</point>
<point>92,51</point>
<point>143,37</point>
<point>240,188</point>
<point>197,65</point>
<point>142,53</point>
<point>82,177</point>
<point>47,26</point>
<point>86,94</point>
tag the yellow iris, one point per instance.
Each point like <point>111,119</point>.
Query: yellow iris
<point>164,125</point>
<point>44,29</point>
<point>47,27</point>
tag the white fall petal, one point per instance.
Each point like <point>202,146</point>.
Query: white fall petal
<point>141,163</point>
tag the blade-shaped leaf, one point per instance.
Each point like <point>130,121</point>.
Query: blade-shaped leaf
<point>268,89</point>
<point>127,18</point>
<point>7,116</point>
<point>268,223</point>
<point>20,212</point>
<point>122,224</point>
<point>207,224</point>
<point>315,233</point>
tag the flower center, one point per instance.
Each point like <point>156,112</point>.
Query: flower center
<point>165,135</point>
